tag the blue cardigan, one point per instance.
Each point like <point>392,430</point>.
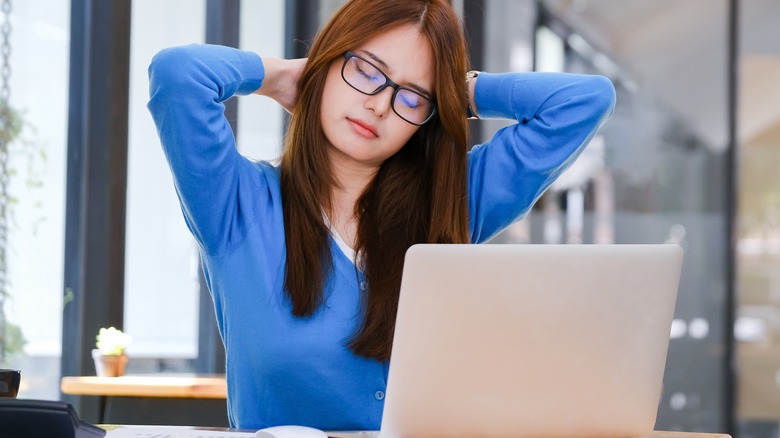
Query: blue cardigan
<point>287,370</point>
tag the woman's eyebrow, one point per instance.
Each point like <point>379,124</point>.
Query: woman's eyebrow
<point>387,69</point>
<point>378,60</point>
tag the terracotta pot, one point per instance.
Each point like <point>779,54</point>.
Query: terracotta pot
<point>109,365</point>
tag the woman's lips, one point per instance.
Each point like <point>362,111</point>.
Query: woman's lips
<point>363,129</point>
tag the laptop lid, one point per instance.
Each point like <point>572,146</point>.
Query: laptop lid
<point>531,340</point>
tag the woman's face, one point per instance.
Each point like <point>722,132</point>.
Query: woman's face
<point>363,130</point>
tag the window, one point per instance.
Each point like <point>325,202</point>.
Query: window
<point>39,92</point>
<point>655,172</point>
<point>162,266</point>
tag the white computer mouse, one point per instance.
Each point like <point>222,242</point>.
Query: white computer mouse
<point>290,432</point>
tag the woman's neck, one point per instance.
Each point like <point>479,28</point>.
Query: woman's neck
<point>352,179</point>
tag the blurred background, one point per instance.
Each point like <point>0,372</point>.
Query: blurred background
<point>91,234</point>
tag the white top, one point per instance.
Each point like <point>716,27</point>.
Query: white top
<point>346,249</point>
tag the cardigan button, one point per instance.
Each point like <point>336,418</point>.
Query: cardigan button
<point>379,395</point>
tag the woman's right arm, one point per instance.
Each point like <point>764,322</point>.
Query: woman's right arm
<point>187,87</point>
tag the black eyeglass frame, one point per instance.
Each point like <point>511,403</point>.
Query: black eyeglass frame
<point>388,83</point>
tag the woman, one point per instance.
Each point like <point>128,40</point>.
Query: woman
<point>304,259</point>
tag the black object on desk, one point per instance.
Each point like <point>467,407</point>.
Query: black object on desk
<point>43,418</point>
<point>9,382</point>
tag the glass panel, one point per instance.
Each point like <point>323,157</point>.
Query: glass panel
<point>40,30</point>
<point>655,172</point>
<point>161,259</point>
<point>757,328</point>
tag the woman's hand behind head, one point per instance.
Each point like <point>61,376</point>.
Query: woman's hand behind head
<point>281,81</point>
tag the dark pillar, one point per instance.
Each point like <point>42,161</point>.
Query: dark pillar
<point>96,183</point>
<point>732,209</point>
<point>474,23</point>
<point>222,27</point>
<point>300,26</point>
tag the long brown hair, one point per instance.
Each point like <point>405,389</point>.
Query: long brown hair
<point>418,195</point>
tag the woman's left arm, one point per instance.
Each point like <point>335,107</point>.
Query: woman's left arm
<point>557,115</point>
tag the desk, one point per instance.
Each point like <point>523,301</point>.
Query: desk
<point>147,386</point>
<point>655,434</point>
<point>205,433</point>
<point>211,387</point>
<point>155,399</point>
<point>666,434</point>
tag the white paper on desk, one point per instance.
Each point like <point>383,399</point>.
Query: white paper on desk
<point>173,432</point>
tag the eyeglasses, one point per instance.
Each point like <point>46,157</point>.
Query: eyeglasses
<point>367,78</point>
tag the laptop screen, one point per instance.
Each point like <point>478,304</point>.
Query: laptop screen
<point>531,340</point>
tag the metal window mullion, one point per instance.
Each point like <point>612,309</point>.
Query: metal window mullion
<point>96,183</point>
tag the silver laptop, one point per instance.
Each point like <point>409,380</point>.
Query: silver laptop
<point>530,340</point>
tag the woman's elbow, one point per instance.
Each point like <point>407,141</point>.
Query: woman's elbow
<point>603,94</point>
<point>167,66</point>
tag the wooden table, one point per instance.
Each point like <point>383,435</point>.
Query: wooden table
<point>147,386</point>
<point>155,399</point>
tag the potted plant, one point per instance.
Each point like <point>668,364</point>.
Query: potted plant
<point>110,358</point>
